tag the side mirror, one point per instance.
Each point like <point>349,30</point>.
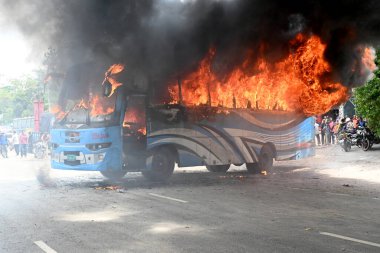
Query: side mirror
<point>107,89</point>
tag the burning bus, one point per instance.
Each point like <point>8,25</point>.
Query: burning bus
<point>136,135</point>
<point>258,112</point>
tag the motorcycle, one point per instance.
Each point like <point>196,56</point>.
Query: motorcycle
<point>40,150</point>
<point>357,137</point>
<point>348,138</point>
<point>344,141</point>
<point>369,138</point>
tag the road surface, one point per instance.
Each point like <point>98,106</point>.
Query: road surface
<point>329,203</point>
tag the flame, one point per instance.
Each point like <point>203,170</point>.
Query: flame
<point>57,111</point>
<point>110,76</point>
<point>297,83</point>
<point>135,120</point>
<point>96,105</point>
<point>368,59</point>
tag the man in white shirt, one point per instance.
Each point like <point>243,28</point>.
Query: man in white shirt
<point>16,142</point>
<point>317,133</point>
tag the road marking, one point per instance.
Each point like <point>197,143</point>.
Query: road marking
<point>44,247</point>
<point>339,194</point>
<point>350,239</point>
<point>164,197</point>
<point>302,189</point>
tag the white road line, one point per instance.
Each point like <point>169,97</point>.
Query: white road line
<point>302,189</point>
<point>44,247</point>
<point>164,197</point>
<point>339,194</point>
<point>350,239</point>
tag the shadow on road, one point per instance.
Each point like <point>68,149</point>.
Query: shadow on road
<point>182,178</point>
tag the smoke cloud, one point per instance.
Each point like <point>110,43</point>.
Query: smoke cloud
<point>166,39</point>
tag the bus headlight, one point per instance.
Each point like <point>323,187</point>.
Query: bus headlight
<point>95,158</point>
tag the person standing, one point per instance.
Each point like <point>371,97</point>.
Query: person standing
<point>16,142</point>
<point>331,127</point>
<point>336,130</point>
<point>3,145</point>
<point>30,143</point>
<point>323,131</point>
<point>327,132</point>
<point>23,143</point>
<point>317,133</point>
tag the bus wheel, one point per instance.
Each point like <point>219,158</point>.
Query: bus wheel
<point>265,162</point>
<point>218,168</point>
<point>162,165</point>
<point>253,168</point>
<point>114,174</point>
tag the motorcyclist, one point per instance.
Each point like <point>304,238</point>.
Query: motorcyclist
<point>350,128</point>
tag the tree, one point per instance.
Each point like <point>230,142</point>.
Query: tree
<point>16,99</point>
<point>367,99</point>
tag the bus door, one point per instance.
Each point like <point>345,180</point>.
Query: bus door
<point>134,133</point>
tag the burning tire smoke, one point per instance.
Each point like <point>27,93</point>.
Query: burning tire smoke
<point>268,54</point>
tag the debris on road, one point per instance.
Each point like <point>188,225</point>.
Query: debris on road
<point>117,188</point>
<point>240,177</point>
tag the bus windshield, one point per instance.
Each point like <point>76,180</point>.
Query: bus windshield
<point>78,98</point>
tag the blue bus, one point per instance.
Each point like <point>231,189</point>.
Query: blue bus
<point>132,133</point>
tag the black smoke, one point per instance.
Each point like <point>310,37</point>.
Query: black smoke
<point>166,39</point>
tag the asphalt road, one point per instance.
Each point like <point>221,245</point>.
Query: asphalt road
<point>329,203</point>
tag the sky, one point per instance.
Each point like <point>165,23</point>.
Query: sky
<point>15,52</point>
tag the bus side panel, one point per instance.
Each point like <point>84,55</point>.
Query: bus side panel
<point>298,142</point>
<point>232,136</point>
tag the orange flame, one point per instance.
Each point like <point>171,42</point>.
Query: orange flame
<point>110,76</point>
<point>296,83</point>
<point>57,111</point>
<point>368,59</point>
<point>96,105</point>
<point>135,120</point>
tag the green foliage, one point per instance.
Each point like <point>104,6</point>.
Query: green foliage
<point>367,100</point>
<point>16,99</point>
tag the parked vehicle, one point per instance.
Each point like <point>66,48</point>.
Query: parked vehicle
<point>345,141</point>
<point>40,150</point>
<point>369,138</point>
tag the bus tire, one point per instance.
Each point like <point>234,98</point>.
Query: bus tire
<point>114,175</point>
<point>265,162</point>
<point>162,167</point>
<point>218,168</point>
<point>266,158</point>
<point>253,168</point>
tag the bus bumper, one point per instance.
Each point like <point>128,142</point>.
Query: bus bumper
<point>82,159</point>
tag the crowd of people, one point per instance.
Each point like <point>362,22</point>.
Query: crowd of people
<point>327,130</point>
<point>21,143</point>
